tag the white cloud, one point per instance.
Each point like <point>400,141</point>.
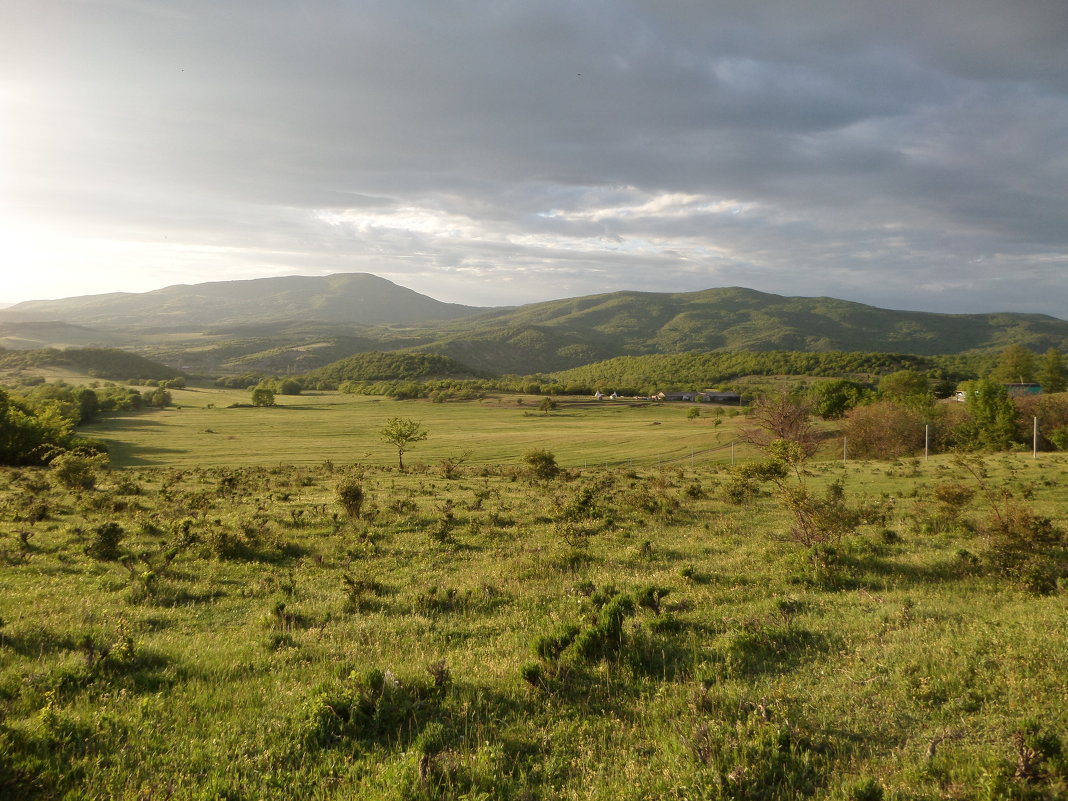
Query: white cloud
<point>511,151</point>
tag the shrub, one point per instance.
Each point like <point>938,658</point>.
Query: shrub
<point>74,470</point>
<point>350,497</point>
<point>105,542</point>
<point>884,430</point>
<point>542,464</point>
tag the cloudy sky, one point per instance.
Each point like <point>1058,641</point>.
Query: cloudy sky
<point>905,153</point>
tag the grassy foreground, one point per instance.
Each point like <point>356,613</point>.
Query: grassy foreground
<point>233,632</point>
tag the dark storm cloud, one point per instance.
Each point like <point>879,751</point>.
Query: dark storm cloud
<point>908,153</point>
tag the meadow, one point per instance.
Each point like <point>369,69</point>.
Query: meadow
<point>204,428</point>
<point>257,604</point>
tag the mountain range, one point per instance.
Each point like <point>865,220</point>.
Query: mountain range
<point>297,323</point>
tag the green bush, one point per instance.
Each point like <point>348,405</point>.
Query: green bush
<point>105,542</point>
<point>542,464</point>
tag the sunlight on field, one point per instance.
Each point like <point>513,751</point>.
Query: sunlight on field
<point>344,428</point>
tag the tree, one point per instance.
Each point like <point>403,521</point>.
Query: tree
<point>547,405</point>
<point>906,388</point>
<point>401,432</point>
<point>1051,373</point>
<point>290,386</point>
<point>159,397</point>
<point>991,421</point>
<point>263,396</point>
<point>832,399</point>
<point>782,417</point>
<point>31,436</point>
<point>1015,366</point>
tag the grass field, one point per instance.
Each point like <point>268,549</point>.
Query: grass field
<point>476,633</point>
<point>308,429</point>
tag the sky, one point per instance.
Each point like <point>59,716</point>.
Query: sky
<point>908,154</point>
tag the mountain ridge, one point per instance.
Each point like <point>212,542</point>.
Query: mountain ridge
<point>277,325</point>
<point>331,298</point>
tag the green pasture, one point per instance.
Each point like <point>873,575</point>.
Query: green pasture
<point>229,647</point>
<point>316,427</point>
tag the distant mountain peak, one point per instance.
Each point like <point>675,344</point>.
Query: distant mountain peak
<point>360,298</point>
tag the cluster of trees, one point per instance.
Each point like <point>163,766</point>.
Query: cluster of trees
<point>82,404</point>
<point>29,436</point>
<point>38,422</point>
<point>1018,365</point>
<point>35,431</point>
<point>899,423</point>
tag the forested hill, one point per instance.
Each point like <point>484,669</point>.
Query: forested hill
<point>101,362</point>
<point>390,366</point>
<point>568,333</point>
<point>292,324</point>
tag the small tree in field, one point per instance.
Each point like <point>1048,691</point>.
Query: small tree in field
<point>401,432</point>
<point>263,396</point>
<point>547,405</point>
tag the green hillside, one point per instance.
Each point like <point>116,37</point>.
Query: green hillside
<point>389,366</point>
<point>51,334</point>
<point>102,362</point>
<point>558,335</point>
<point>296,324</point>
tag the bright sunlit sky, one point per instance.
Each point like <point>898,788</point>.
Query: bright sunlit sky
<point>904,153</point>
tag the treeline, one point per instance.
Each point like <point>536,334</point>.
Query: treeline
<point>109,363</point>
<point>407,376</point>
<point>643,375</point>
<point>415,375</point>
<point>38,420</point>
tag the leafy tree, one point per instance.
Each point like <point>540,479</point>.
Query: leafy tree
<point>290,386</point>
<point>159,397</point>
<point>832,399</point>
<point>1016,365</point>
<point>31,436</point>
<point>906,388</point>
<point>991,423</point>
<point>401,432</point>
<point>547,405</point>
<point>88,405</point>
<point>1052,375</point>
<point>263,396</point>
